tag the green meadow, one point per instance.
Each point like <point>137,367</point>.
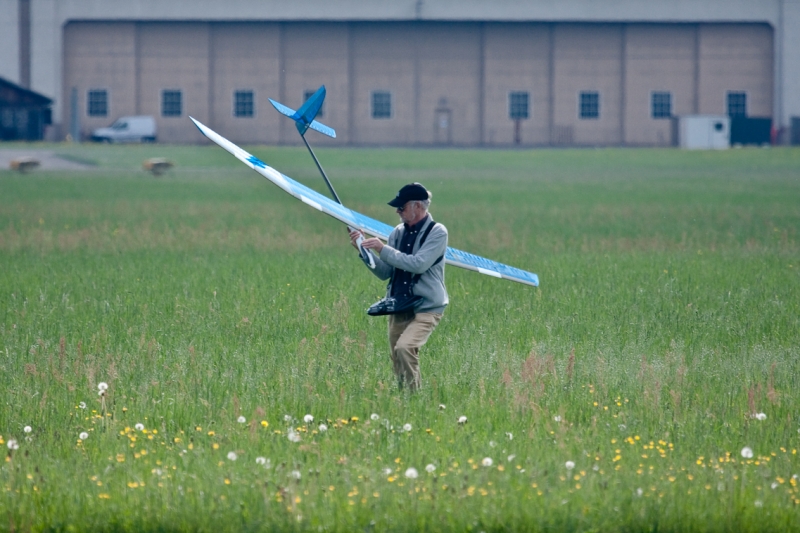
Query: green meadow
<point>649,384</point>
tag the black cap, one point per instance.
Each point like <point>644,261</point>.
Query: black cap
<point>412,191</point>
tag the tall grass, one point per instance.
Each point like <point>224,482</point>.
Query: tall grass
<point>620,395</point>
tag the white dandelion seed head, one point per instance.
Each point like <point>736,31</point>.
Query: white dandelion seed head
<point>492,444</point>
<point>622,427</point>
<point>139,427</point>
<point>261,460</point>
<point>406,427</point>
<point>241,420</point>
<point>308,419</point>
<point>293,436</point>
<point>487,461</point>
<point>102,386</point>
<point>295,474</point>
<point>442,407</point>
<point>570,465</point>
<point>158,472</point>
<point>287,418</point>
<point>82,405</point>
<point>232,456</point>
<point>12,444</point>
<point>83,435</point>
<point>758,503</point>
<point>323,428</point>
<point>596,467</point>
<point>430,468</point>
<point>557,418</point>
<point>412,473</point>
<point>387,471</point>
<point>462,420</point>
<point>509,435</point>
<point>511,457</point>
<point>639,492</point>
<point>101,393</point>
<point>747,452</point>
<point>760,416</point>
<point>374,417</point>
<point>774,485</point>
<point>27,429</point>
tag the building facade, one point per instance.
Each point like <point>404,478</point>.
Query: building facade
<point>433,72</point>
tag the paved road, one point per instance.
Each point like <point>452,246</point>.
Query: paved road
<point>48,160</point>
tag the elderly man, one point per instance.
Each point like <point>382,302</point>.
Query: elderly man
<point>413,262</point>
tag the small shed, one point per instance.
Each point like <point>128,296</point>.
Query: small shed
<point>23,113</point>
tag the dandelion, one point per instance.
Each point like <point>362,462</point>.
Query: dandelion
<point>511,457</point>
<point>623,427</point>
<point>406,427</point>
<point>27,429</point>
<point>293,436</point>
<point>462,420</point>
<point>83,435</point>
<point>747,452</point>
<point>758,503</point>
<point>557,418</point>
<point>287,418</point>
<point>13,444</point>
<point>639,492</point>
<point>82,405</point>
<point>430,468</point>
<point>241,420</point>
<point>374,417</point>
<point>596,467</point>
<point>295,474</point>
<point>323,428</point>
<point>102,386</point>
<point>261,460</point>
<point>442,407</point>
<point>412,473</point>
<point>232,456</point>
<point>139,427</point>
<point>510,435</point>
<point>101,393</point>
<point>774,485</point>
<point>308,419</point>
<point>492,444</point>
<point>487,461</point>
<point>760,416</point>
<point>387,471</point>
<point>570,465</point>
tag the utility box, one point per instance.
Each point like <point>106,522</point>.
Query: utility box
<point>705,132</point>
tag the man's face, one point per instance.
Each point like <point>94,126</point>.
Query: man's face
<point>408,212</point>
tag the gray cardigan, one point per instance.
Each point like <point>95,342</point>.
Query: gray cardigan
<point>431,282</point>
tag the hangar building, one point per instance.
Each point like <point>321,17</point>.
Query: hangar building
<point>409,72</point>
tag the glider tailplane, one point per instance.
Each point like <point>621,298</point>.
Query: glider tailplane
<point>304,117</point>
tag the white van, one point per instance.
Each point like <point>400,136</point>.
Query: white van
<point>128,129</point>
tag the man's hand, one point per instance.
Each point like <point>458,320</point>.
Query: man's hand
<point>373,244</point>
<point>354,235</point>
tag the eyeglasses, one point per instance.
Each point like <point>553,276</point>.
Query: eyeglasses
<point>401,209</point>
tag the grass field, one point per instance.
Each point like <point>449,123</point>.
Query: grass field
<point>650,383</point>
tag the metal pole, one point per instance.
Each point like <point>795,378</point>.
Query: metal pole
<point>327,181</point>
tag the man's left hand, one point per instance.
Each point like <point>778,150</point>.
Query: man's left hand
<point>373,244</point>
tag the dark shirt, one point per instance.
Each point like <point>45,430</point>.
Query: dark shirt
<point>402,280</point>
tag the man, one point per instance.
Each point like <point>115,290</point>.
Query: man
<point>413,267</point>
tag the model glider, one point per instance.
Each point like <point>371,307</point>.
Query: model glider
<point>304,119</point>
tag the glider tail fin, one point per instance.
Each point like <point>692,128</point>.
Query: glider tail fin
<point>304,117</point>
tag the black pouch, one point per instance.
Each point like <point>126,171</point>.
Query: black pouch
<point>394,306</point>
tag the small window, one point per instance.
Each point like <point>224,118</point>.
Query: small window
<point>309,94</point>
<point>381,104</point>
<point>518,105</point>
<point>737,104</point>
<point>97,103</point>
<point>589,105</point>
<point>661,105</point>
<point>243,104</point>
<point>171,103</point>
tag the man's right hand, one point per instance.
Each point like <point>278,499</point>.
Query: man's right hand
<point>354,235</point>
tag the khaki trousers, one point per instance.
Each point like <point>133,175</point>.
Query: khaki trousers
<point>407,334</point>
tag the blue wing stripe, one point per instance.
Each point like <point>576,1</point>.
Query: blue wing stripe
<point>357,220</point>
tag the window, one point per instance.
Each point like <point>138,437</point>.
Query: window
<point>97,103</point>
<point>589,104</point>
<point>309,94</point>
<point>518,105</point>
<point>243,104</point>
<point>737,104</point>
<point>381,104</point>
<point>171,103</point>
<point>661,105</point>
